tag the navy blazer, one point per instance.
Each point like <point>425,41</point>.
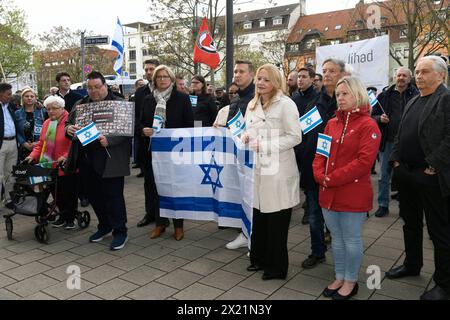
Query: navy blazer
<point>12,112</point>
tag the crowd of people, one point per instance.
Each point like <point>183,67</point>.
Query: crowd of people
<point>408,130</point>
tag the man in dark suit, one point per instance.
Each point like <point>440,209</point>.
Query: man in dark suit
<point>106,162</point>
<point>8,143</point>
<point>151,203</point>
<point>421,162</point>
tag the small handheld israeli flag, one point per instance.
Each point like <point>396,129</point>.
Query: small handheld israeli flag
<point>324,145</point>
<point>237,124</point>
<point>88,134</point>
<point>373,99</point>
<point>310,120</point>
<point>157,123</point>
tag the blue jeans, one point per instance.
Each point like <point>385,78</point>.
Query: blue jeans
<point>346,242</point>
<point>316,224</point>
<point>384,183</point>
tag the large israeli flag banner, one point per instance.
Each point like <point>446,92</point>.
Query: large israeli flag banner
<point>201,174</point>
<point>310,120</point>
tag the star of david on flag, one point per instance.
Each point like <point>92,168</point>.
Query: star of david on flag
<point>88,134</point>
<point>208,170</point>
<point>117,45</point>
<point>237,124</point>
<point>324,145</point>
<point>310,120</point>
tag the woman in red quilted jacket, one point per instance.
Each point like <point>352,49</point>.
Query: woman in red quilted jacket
<point>345,188</point>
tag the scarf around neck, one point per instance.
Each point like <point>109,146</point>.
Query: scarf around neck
<point>48,149</point>
<point>161,98</point>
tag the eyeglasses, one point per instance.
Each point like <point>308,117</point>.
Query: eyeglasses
<point>232,93</point>
<point>195,82</point>
<point>162,77</point>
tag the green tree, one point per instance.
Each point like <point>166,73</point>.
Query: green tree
<point>15,49</point>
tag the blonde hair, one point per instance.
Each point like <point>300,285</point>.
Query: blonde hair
<point>279,86</point>
<point>356,88</point>
<point>25,91</point>
<point>165,68</point>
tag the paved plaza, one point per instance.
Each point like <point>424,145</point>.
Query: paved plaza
<point>198,267</point>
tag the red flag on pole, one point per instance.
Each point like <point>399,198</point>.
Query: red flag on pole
<point>205,50</point>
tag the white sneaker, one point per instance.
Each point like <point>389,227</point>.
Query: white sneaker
<point>240,242</point>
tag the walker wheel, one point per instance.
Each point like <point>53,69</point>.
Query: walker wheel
<point>41,234</point>
<point>84,219</point>
<point>9,228</point>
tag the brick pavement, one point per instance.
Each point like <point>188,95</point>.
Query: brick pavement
<point>198,267</point>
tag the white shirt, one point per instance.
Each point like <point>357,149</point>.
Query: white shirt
<point>10,129</point>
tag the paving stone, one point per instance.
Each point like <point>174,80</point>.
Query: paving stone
<point>154,252</point>
<point>238,266</point>
<point>7,265</point>
<point>190,253</point>
<point>39,296</point>
<point>384,252</point>
<point>255,283</point>
<point>399,290</point>
<point>142,275</point>
<point>390,243</point>
<point>203,266</point>
<point>31,285</point>
<point>152,291</point>
<point>6,253</point>
<point>170,243</point>
<point>96,259</point>
<point>384,263</point>
<point>239,293</point>
<point>59,259</point>
<point>113,289</point>
<point>168,263</point>
<point>8,295</point>
<point>129,249</point>
<point>222,280</point>
<point>60,246</point>
<point>223,255</point>
<point>24,246</point>
<point>179,279</point>
<point>322,271</point>
<point>85,296</point>
<point>28,270</point>
<point>129,262</point>
<point>89,249</point>
<point>210,243</point>
<point>288,294</point>
<point>307,284</point>
<point>377,296</point>
<point>60,273</point>
<point>5,280</point>
<point>198,291</point>
<point>29,256</point>
<point>61,292</point>
<point>102,274</point>
<point>196,234</point>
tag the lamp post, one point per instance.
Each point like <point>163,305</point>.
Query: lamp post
<point>229,42</point>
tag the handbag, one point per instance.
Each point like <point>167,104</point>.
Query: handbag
<point>27,205</point>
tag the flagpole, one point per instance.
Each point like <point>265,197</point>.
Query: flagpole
<point>381,107</point>
<point>326,170</point>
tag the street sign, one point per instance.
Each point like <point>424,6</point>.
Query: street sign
<point>97,40</point>
<point>87,68</point>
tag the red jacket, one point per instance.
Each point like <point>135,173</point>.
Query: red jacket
<point>349,188</point>
<point>62,143</point>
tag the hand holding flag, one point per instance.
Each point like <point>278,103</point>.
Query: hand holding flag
<point>324,145</point>
<point>310,120</point>
<point>88,134</point>
<point>237,124</point>
<point>374,100</point>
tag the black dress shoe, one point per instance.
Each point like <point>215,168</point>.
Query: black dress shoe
<point>400,272</point>
<point>145,221</point>
<point>338,296</point>
<point>84,202</point>
<point>437,293</point>
<point>140,175</point>
<point>328,293</point>
<point>266,276</point>
<point>253,268</point>
<point>382,212</point>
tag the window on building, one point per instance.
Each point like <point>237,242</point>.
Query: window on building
<point>338,27</point>
<point>247,25</point>
<point>277,21</point>
<point>132,42</point>
<point>145,52</point>
<point>406,53</point>
<point>294,47</point>
<point>437,2</point>
<point>326,29</point>
<point>398,53</point>
<point>133,67</point>
<point>335,41</point>
<point>132,55</point>
<point>403,33</point>
<point>262,23</point>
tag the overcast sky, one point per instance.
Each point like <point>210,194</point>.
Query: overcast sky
<point>100,15</point>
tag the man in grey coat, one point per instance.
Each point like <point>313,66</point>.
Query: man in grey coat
<point>421,162</point>
<point>105,161</point>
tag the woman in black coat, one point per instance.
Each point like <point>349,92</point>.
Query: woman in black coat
<point>204,105</point>
<point>176,111</point>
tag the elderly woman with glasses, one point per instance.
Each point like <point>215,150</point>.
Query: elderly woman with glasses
<point>30,118</point>
<point>52,149</point>
<point>175,110</point>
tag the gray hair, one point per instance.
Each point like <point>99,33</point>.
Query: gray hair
<point>405,69</point>
<point>337,62</point>
<point>55,99</point>
<point>439,64</point>
<point>349,70</point>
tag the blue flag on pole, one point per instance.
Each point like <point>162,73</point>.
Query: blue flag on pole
<point>88,134</point>
<point>118,46</point>
<point>237,124</point>
<point>324,145</point>
<point>373,99</point>
<point>310,120</point>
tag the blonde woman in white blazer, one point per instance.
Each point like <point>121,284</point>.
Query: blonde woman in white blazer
<point>273,129</point>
